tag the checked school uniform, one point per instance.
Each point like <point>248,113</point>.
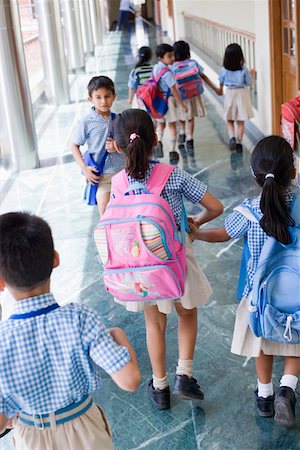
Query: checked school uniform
<point>48,359</point>
<point>165,83</point>
<point>93,131</point>
<point>244,342</point>
<point>197,288</point>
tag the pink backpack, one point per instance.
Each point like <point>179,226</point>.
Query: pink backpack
<point>138,243</point>
<point>290,122</point>
<point>150,97</point>
<point>188,77</point>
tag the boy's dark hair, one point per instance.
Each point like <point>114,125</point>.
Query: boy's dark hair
<point>181,51</point>
<point>145,55</point>
<point>100,82</point>
<point>162,49</point>
<point>233,57</point>
<point>139,149</point>
<point>274,155</point>
<point>26,250</point>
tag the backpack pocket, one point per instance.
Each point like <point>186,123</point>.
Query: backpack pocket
<point>281,327</point>
<point>142,283</point>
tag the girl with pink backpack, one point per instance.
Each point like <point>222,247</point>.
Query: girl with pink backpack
<point>134,135</point>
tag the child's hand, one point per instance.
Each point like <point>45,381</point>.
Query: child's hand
<point>194,231</point>
<point>109,145</point>
<point>253,74</point>
<point>219,91</point>
<point>184,107</point>
<point>91,175</point>
<point>130,101</point>
<point>193,220</point>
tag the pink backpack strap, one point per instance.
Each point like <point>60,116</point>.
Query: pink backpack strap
<point>119,183</point>
<point>159,177</point>
<point>161,73</point>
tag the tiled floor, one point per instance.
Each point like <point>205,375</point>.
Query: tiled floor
<point>226,418</point>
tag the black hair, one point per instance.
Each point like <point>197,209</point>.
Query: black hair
<point>181,51</point>
<point>274,155</point>
<point>26,250</point>
<point>162,49</point>
<point>100,82</point>
<point>145,55</point>
<point>139,149</point>
<point>233,57</point>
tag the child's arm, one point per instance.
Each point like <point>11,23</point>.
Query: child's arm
<point>212,209</point>
<point>212,235</point>
<point>3,423</point>
<point>129,377</point>
<point>177,98</point>
<point>130,95</point>
<point>218,91</point>
<point>89,172</point>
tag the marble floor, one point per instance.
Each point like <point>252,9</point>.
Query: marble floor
<point>226,418</point>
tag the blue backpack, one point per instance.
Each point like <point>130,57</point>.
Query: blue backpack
<point>274,302</point>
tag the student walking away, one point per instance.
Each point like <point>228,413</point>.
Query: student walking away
<point>142,252</point>
<point>141,73</point>
<point>189,75</point>
<point>126,7</point>
<point>237,105</point>
<point>167,85</point>
<point>267,318</point>
<point>100,161</point>
<point>49,354</point>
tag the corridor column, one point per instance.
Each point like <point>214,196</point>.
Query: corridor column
<point>96,22</point>
<point>16,98</point>
<point>86,27</point>
<point>54,60</point>
<point>70,11</point>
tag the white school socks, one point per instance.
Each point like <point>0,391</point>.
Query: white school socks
<point>185,367</point>
<point>265,390</point>
<point>289,381</point>
<point>172,143</point>
<point>160,383</point>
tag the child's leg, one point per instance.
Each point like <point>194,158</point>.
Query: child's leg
<point>265,391</point>
<point>190,142</point>
<point>181,142</point>
<point>102,201</point>
<point>103,192</point>
<point>240,134</point>
<point>285,399</point>
<point>191,127</point>
<point>184,385</point>
<point>174,156</point>
<point>158,150</point>
<point>232,140</point>
<point>156,340</point>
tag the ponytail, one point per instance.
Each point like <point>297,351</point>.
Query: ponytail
<point>145,55</point>
<point>137,159</point>
<point>272,165</point>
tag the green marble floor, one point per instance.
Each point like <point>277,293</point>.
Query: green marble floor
<point>226,418</point>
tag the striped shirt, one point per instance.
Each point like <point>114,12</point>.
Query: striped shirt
<point>93,131</point>
<point>49,361</point>
<point>139,75</point>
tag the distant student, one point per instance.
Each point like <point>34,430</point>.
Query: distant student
<point>126,7</point>
<point>141,73</point>
<point>237,105</point>
<point>272,165</point>
<point>93,130</point>
<point>188,74</point>
<point>134,135</point>
<point>48,353</point>
<point>165,55</point>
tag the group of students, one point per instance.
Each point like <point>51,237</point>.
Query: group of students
<point>48,353</point>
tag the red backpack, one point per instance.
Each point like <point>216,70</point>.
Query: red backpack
<point>290,122</point>
<point>150,97</point>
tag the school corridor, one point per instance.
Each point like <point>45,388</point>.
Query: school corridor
<point>226,418</point>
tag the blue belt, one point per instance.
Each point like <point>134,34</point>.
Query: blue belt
<point>58,417</point>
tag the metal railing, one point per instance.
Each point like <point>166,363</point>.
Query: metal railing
<point>34,62</point>
<point>211,38</point>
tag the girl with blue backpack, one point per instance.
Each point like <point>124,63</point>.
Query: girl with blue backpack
<point>270,224</point>
<point>141,73</point>
<point>134,135</point>
<point>189,77</point>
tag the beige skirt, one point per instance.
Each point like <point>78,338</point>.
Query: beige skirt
<point>89,431</point>
<point>195,106</point>
<point>237,105</point>
<point>172,113</point>
<point>244,342</point>
<point>197,289</point>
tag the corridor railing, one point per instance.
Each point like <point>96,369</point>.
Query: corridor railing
<point>211,38</point>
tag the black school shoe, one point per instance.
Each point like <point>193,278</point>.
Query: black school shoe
<point>284,404</point>
<point>158,150</point>
<point>239,147</point>
<point>174,158</point>
<point>187,388</point>
<point>159,397</point>
<point>264,406</point>
<point>232,144</point>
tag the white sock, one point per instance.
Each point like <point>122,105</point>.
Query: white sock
<point>181,131</point>
<point>231,136</point>
<point>189,137</point>
<point>172,143</point>
<point>239,141</point>
<point>160,383</point>
<point>265,390</point>
<point>289,381</point>
<point>185,367</point>
<point>159,134</point>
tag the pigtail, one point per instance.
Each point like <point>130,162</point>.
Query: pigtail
<point>276,218</point>
<point>137,159</point>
